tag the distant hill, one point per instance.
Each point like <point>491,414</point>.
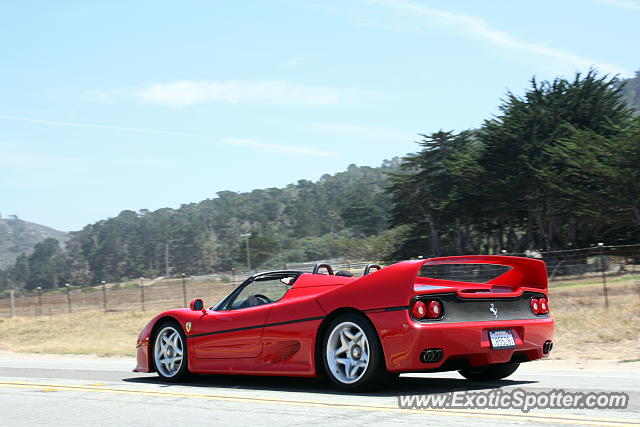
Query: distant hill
<point>340,215</point>
<point>631,91</point>
<point>18,236</point>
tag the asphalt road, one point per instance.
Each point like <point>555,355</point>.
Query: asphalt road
<point>82,391</point>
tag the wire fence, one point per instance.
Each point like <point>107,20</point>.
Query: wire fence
<point>608,271</point>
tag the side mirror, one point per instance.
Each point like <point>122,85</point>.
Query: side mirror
<point>197,305</point>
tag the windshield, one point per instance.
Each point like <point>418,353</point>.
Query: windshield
<point>268,288</point>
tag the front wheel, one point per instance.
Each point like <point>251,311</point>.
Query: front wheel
<point>491,372</point>
<point>170,352</point>
<point>353,358</point>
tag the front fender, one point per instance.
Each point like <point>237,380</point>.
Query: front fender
<point>143,345</point>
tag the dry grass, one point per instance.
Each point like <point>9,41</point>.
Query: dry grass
<point>596,280</point>
<point>103,334</point>
<point>584,328</point>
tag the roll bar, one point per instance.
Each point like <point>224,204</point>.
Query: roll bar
<point>368,268</point>
<point>320,265</point>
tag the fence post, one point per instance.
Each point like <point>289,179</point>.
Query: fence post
<point>604,275</point>
<point>39,301</point>
<point>104,295</point>
<point>184,290</point>
<point>12,302</point>
<point>68,297</point>
<point>142,292</point>
<point>635,255</point>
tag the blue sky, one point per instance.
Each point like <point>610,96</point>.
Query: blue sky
<point>106,106</point>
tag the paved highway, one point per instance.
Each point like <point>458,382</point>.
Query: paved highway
<point>80,391</point>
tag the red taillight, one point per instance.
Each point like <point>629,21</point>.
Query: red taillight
<point>535,305</point>
<point>430,309</point>
<point>544,306</point>
<point>419,310</point>
<point>434,309</point>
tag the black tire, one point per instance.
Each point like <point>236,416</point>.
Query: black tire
<point>490,373</point>
<point>182,372</point>
<point>375,375</point>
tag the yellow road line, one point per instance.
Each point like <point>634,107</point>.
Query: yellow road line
<point>462,413</point>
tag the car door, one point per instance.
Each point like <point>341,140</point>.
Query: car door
<point>235,330</point>
<point>230,334</point>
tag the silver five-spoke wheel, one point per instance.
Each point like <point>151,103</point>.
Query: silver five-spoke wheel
<point>168,350</point>
<point>347,352</point>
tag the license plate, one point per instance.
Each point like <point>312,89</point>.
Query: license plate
<point>502,339</point>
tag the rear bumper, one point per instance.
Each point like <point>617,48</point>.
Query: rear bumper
<point>464,344</point>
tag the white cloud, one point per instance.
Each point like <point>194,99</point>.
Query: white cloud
<point>105,95</point>
<point>293,61</point>
<point>238,142</point>
<point>95,126</point>
<point>622,4</point>
<point>185,93</point>
<point>264,146</point>
<point>480,30</point>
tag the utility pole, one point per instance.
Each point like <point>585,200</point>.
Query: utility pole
<point>68,296</point>
<point>247,235</point>
<point>104,295</point>
<point>166,261</point>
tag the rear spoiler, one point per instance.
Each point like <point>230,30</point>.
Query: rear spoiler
<point>373,291</point>
<point>527,272</point>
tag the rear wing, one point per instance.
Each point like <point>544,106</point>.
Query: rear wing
<point>528,272</point>
<point>394,286</point>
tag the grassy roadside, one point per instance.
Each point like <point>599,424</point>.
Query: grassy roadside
<point>612,281</point>
<point>91,332</point>
<point>584,329</point>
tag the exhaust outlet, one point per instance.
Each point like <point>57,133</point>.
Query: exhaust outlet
<point>547,346</point>
<point>432,355</point>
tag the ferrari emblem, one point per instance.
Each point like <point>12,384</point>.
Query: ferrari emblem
<point>493,310</point>
<point>187,326</point>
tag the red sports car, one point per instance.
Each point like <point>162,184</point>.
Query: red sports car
<point>480,315</point>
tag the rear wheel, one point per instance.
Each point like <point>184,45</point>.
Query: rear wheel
<point>490,373</point>
<point>170,352</point>
<point>352,354</point>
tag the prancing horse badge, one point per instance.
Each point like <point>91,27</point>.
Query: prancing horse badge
<point>492,309</point>
<point>187,326</point>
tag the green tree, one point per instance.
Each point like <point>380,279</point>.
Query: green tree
<point>434,188</point>
<point>519,153</point>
